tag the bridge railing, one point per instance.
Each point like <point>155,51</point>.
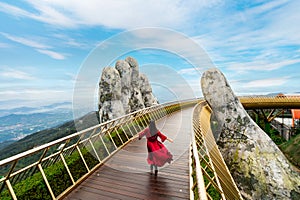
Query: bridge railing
<point>52,170</point>
<point>288,101</point>
<point>210,176</point>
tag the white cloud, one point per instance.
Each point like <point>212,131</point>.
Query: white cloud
<point>71,76</point>
<point>261,39</point>
<point>171,41</point>
<point>112,14</point>
<point>265,83</point>
<point>4,45</point>
<point>190,71</point>
<point>52,54</point>
<point>67,40</point>
<point>26,42</point>
<point>38,46</point>
<point>265,7</point>
<point>10,73</point>
<point>13,10</point>
<point>36,97</point>
<point>47,13</point>
<point>267,25</point>
<point>261,65</point>
<point>78,42</point>
<point>284,23</point>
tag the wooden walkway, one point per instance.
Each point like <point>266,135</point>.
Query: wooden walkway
<point>126,175</point>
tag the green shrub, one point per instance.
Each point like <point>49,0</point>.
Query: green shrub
<point>34,186</point>
<point>277,139</point>
<point>291,149</point>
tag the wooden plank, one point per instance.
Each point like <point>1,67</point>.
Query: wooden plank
<point>126,175</point>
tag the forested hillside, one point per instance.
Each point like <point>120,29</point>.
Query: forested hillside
<point>48,135</point>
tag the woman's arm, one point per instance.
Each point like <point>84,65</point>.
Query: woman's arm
<point>163,137</point>
<point>142,133</point>
<point>170,140</point>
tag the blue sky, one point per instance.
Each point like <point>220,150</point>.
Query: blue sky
<point>44,45</point>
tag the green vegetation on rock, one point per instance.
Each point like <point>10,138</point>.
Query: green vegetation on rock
<point>291,149</point>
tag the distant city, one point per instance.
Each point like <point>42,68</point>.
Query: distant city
<point>17,123</point>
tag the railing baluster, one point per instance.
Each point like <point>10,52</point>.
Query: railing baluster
<point>117,133</point>
<point>46,181</point>
<point>147,115</point>
<point>64,161</point>
<point>94,150</point>
<point>11,190</point>
<point>144,120</point>
<point>124,133</point>
<point>112,140</point>
<point>199,175</point>
<point>161,111</point>
<point>134,121</point>
<point>8,176</point>
<point>122,122</point>
<point>25,173</point>
<point>82,158</point>
<point>67,168</point>
<point>156,117</point>
<point>104,144</point>
<point>14,179</point>
<point>33,170</point>
<point>141,116</point>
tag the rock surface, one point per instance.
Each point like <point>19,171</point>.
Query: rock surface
<point>123,89</point>
<point>110,103</point>
<point>259,168</point>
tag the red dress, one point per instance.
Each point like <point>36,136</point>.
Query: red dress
<point>158,154</point>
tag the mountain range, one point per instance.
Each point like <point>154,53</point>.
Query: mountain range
<point>10,148</point>
<point>17,123</point>
<point>56,107</point>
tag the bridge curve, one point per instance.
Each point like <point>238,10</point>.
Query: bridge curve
<point>194,168</point>
<point>126,175</point>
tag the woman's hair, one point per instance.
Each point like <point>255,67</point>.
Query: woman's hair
<point>152,127</point>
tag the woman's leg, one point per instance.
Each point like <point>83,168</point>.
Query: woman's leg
<point>151,169</point>
<point>156,170</point>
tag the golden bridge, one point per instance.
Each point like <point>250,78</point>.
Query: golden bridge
<point>107,162</point>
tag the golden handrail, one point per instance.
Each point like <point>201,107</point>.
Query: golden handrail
<point>102,141</point>
<point>213,178</point>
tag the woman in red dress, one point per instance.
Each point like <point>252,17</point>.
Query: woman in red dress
<point>158,154</point>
